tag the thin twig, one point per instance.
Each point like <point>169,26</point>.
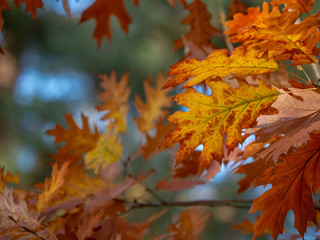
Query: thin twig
<point>209,203</point>
<point>154,194</point>
<point>236,203</point>
<point>27,229</point>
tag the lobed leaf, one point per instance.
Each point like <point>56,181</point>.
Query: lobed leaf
<point>153,110</point>
<point>218,64</point>
<point>282,38</point>
<point>101,10</point>
<point>212,118</point>
<point>78,141</point>
<point>115,99</point>
<point>292,183</point>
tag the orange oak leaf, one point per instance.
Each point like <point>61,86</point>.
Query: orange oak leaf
<point>254,17</point>
<point>152,144</point>
<point>176,184</point>
<point>3,6</point>
<point>201,31</point>
<point>156,100</point>
<point>292,183</point>
<point>188,166</point>
<point>252,171</point>
<point>212,118</point>
<point>300,5</point>
<point>78,141</point>
<point>298,115</point>
<point>282,38</point>
<point>78,183</point>
<point>108,150</point>
<point>7,177</point>
<point>102,10</point>
<point>115,99</point>
<point>52,185</point>
<point>246,226</point>
<point>31,5</point>
<point>218,64</point>
<point>191,222</point>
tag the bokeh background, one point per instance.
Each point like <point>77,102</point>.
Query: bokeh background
<point>51,66</point>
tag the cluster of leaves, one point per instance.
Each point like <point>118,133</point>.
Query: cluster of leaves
<point>251,94</point>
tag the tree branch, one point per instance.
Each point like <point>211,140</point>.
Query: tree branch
<point>208,203</point>
<point>236,203</point>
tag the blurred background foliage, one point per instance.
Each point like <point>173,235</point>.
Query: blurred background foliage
<point>51,66</point>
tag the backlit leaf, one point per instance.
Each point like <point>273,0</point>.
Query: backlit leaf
<point>102,10</point>
<point>115,99</point>
<point>219,64</point>
<point>191,222</point>
<point>212,118</point>
<point>153,109</point>
<point>293,183</point>
<point>30,5</point>
<point>301,5</point>
<point>298,115</point>
<point>201,31</point>
<point>254,17</point>
<point>78,141</point>
<point>52,185</point>
<point>107,150</point>
<point>3,6</point>
<point>282,38</point>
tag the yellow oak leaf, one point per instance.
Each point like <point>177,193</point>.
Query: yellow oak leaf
<point>218,64</point>
<point>115,99</point>
<point>79,141</point>
<point>152,110</point>
<point>107,150</point>
<point>210,119</point>
<point>282,38</point>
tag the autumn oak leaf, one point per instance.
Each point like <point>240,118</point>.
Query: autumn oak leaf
<point>255,16</point>
<point>189,225</point>
<point>3,6</point>
<point>201,31</point>
<point>293,183</point>
<point>298,115</point>
<point>282,38</point>
<point>153,109</point>
<point>52,185</point>
<point>108,150</point>
<point>78,141</point>
<point>31,5</point>
<point>219,64</point>
<point>102,10</point>
<point>300,5</point>
<point>212,118</point>
<point>114,99</point>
